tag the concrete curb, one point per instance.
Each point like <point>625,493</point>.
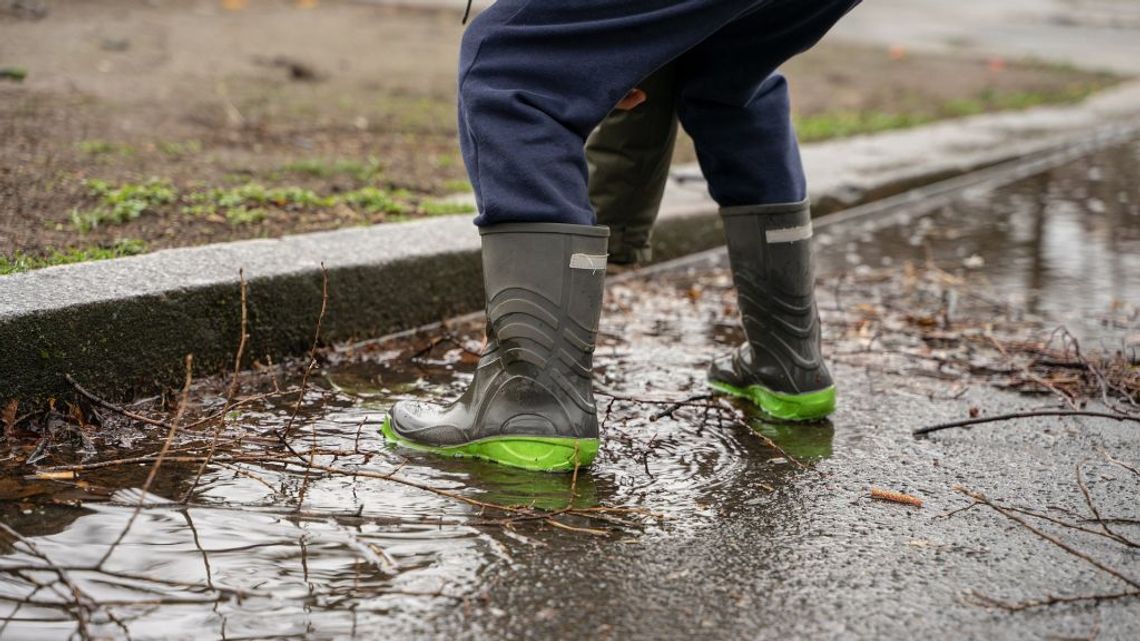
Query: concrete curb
<point>123,326</point>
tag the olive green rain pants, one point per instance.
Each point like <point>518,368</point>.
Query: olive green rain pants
<point>629,156</point>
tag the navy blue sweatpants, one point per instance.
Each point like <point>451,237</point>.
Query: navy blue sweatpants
<point>536,76</point>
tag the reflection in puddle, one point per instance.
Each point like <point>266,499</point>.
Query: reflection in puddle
<point>1063,244</point>
<point>805,443</point>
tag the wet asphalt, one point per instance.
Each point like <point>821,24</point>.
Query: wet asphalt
<point>818,559</point>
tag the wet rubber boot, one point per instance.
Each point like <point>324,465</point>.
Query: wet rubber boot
<point>629,155</point>
<point>531,403</point>
<point>780,367</point>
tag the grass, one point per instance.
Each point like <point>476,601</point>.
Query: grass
<point>258,194</point>
<point>246,204</point>
<point>21,262</point>
<point>457,186</point>
<point>200,210</point>
<point>245,215</point>
<point>97,147</point>
<point>440,208</point>
<point>374,200</point>
<point>123,203</point>
<point>178,148</point>
<point>431,115</point>
<point>364,172</point>
<point>444,161</point>
<point>843,124</point>
<point>17,74</point>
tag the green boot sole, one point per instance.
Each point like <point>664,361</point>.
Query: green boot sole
<point>789,407</point>
<point>534,453</point>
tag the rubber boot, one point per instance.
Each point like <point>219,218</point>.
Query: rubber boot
<point>780,367</point>
<point>629,156</point>
<point>531,403</point>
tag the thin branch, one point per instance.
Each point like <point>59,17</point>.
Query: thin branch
<point>1015,415</point>
<point>668,411</point>
<point>288,429</point>
<point>1095,512</point>
<point>230,394</point>
<point>244,329</point>
<point>981,498</point>
<point>111,406</point>
<point>1065,524</point>
<point>1053,600</point>
<point>201,550</point>
<point>1108,457</point>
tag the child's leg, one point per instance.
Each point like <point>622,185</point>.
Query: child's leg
<point>536,77</point>
<point>741,124</point>
<point>736,107</point>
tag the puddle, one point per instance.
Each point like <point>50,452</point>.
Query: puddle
<point>262,549</point>
<point>1063,244</point>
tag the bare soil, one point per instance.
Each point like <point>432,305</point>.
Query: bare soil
<point>204,96</point>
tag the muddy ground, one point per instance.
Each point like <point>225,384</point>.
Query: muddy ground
<point>334,98</point>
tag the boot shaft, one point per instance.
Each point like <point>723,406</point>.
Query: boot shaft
<point>530,403</point>
<point>769,248</point>
<point>544,285</point>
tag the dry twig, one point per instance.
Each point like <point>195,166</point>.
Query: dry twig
<point>288,429</point>
<point>1015,415</point>
<point>895,497</point>
<point>231,394</point>
<point>981,498</point>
